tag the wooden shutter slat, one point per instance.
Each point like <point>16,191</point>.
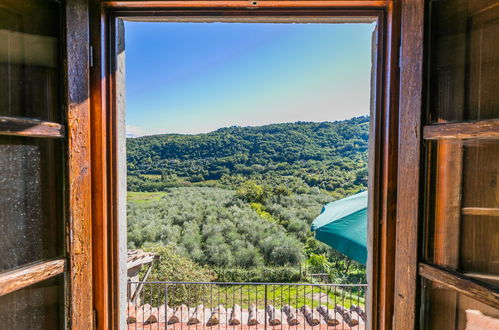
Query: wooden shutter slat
<point>30,127</point>
<point>28,275</point>
<point>480,211</point>
<point>466,285</point>
<point>483,129</point>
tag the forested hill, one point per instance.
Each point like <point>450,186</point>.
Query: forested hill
<point>330,155</point>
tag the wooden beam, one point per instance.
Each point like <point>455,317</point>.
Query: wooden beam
<point>28,275</point>
<point>487,294</point>
<point>409,169</point>
<point>77,98</point>
<point>247,4</point>
<point>483,129</point>
<point>493,212</point>
<point>30,127</point>
<point>141,284</point>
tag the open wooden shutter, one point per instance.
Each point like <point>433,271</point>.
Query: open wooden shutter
<point>45,265</point>
<point>460,267</point>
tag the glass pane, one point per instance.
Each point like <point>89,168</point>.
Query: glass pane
<point>445,309</point>
<point>463,226</point>
<point>464,60</point>
<point>29,59</point>
<point>36,307</point>
<point>31,204</point>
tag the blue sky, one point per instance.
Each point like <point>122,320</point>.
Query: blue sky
<point>197,77</point>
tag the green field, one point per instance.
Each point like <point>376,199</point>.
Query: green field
<point>144,197</point>
<point>247,295</point>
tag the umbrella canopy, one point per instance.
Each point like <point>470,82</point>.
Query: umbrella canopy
<point>343,226</point>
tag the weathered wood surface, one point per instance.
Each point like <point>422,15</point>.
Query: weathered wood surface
<point>272,316</point>
<point>488,294</point>
<point>254,316</point>
<point>485,211</point>
<point>328,316</point>
<point>312,317</point>
<point>483,129</point>
<point>216,316</point>
<point>291,315</point>
<point>25,276</point>
<point>346,315</point>
<point>30,127</point>
<point>79,232</point>
<point>408,177</point>
<point>197,316</point>
<point>235,315</point>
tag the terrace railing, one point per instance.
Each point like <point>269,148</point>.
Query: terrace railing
<point>231,305</point>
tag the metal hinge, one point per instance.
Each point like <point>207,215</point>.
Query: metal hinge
<point>95,319</point>
<point>91,56</point>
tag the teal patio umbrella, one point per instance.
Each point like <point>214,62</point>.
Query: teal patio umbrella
<point>343,226</point>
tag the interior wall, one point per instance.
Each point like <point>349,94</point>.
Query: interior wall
<point>121,171</point>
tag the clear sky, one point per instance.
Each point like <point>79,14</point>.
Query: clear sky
<point>197,77</point>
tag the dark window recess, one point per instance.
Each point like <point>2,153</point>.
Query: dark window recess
<point>30,200</point>
<point>29,59</point>
<point>461,233</point>
<point>36,307</point>
<point>446,309</point>
<point>463,222</point>
<point>464,70</point>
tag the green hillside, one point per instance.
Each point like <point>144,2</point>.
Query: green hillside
<point>331,156</point>
<point>242,198</point>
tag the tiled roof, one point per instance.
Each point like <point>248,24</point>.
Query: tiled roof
<point>164,317</point>
<point>139,257</point>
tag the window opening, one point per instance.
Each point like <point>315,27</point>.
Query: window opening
<point>237,136</point>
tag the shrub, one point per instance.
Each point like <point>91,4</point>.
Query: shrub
<point>174,267</point>
<point>251,192</point>
<point>318,263</point>
<point>260,274</point>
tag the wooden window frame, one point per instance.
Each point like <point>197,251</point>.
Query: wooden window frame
<point>395,137</point>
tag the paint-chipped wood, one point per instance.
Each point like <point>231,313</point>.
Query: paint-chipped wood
<point>25,276</point>
<point>80,309</point>
<point>30,127</point>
